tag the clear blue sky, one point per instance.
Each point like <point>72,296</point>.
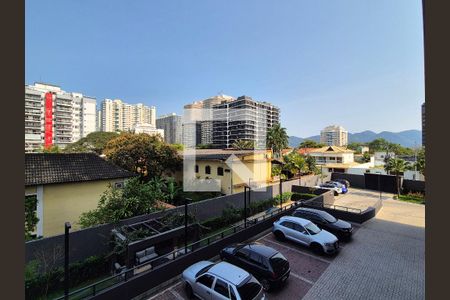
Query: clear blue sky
<point>355,63</point>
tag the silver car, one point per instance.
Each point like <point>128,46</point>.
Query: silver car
<point>305,232</point>
<point>209,281</point>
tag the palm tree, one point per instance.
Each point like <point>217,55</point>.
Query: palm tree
<point>295,163</point>
<point>243,145</point>
<point>277,139</point>
<point>396,166</point>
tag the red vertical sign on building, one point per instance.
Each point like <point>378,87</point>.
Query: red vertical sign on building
<point>48,120</point>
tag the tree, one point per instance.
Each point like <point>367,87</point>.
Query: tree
<point>311,165</point>
<point>178,147</point>
<point>144,154</point>
<point>396,166</point>
<point>355,146</point>
<point>135,198</point>
<point>31,218</point>
<point>51,149</point>
<point>379,144</point>
<point>420,164</point>
<point>294,163</point>
<point>310,144</point>
<point>93,142</point>
<point>243,145</point>
<point>366,157</point>
<point>277,139</point>
<point>172,190</point>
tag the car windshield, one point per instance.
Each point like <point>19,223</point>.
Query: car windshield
<point>329,218</point>
<point>312,228</point>
<point>249,289</point>
<point>203,270</point>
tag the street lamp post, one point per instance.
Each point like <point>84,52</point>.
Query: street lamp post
<point>245,204</point>
<point>186,201</point>
<point>281,192</point>
<point>67,227</point>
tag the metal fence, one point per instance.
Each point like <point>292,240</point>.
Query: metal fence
<point>161,261</point>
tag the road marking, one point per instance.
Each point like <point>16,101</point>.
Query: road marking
<point>175,293</point>
<point>298,251</point>
<point>165,290</point>
<point>302,278</point>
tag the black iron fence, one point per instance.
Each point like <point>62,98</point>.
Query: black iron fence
<point>163,260</point>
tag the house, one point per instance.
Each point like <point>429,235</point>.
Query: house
<point>380,156</point>
<point>227,171</point>
<point>66,185</point>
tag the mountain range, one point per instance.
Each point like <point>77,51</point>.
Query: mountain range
<point>407,138</point>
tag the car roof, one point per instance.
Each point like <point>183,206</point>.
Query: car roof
<point>317,211</point>
<point>298,220</point>
<point>261,249</point>
<point>229,272</point>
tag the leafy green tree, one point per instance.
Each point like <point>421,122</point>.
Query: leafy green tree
<point>31,218</point>
<point>396,166</point>
<point>366,157</point>
<point>355,146</point>
<point>178,147</point>
<point>51,149</point>
<point>420,164</point>
<point>172,190</point>
<point>243,145</point>
<point>295,163</point>
<point>93,142</point>
<point>310,144</point>
<point>311,165</point>
<point>277,139</point>
<point>135,198</point>
<point>144,154</point>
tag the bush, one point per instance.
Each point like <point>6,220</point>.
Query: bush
<point>285,197</point>
<point>302,196</point>
<point>39,285</point>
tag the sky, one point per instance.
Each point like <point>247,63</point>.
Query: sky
<point>356,63</point>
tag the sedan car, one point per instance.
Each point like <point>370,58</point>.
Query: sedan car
<point>343,230</point>
<point>268,265</point>
<point>306,233</point>
<point>343,181</point>
<point>326,186</point>
<point>208,280</point>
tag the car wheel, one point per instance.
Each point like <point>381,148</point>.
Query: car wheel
<point>265,284</point>
<point>317,248</point>
<point>189,292</point>
<point>336,193</point>
<point>279,235</point>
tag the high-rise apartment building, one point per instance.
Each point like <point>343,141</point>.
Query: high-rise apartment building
<point>423,124</point>
<point>202,131</point>
<point>172,126</point>
<point>117,115</point>
<point>334,135</point>
<point>243,119</point>
<point>56,117</point>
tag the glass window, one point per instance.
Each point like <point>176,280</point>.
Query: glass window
<point>207,170</point>
<point>287,224</point>
<point>196,168</point>
<point>220,171</point>
<point>222,288</point>
<point>255,258</point>
<point>312,229</point>
<point>207,280</point>
<point>233,296</point>
<point>299,228</point>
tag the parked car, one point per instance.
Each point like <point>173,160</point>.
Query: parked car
<point>327,186</point>
<point>306,233</point>
<point>268,265</point>
<point>343,181</point>
<point>208,280</point>
<point>338,184</point>
<point>342,229</point>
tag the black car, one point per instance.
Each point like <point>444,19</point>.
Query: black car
<point>341,229</point>
<point>268,265</point>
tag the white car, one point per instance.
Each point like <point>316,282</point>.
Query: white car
<point>337,190</point>
<point>208,280</point>
<point>305,232</point>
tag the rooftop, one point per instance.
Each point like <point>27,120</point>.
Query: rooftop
<point>48,168</point>
<point>229,272</point>
<point>334,149</point>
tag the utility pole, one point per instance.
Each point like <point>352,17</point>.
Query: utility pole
<point>67,227</point>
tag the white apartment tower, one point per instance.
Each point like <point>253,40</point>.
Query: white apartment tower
<point>117,115</point>
<point>56,117</point>
<point>334,135</point>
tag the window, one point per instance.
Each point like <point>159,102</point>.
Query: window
<point>207,280</point>
<point>330,169</point>
<point>242,253</point>
<point>299,228</point>
<point>196,168</point>
<point>233,296</point>
<point>222,288</point>
<point>255,258</point>
<point>220,171</point>
<point>207,170</point>
<point>339,159</point>
<point>287,224</point>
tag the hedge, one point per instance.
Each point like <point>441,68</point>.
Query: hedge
<point>35,282</point>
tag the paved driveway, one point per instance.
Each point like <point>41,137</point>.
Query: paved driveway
<point>360,198</point>
<point>385,261</point>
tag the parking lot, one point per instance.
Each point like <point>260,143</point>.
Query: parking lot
<point>385,259</point>
<point>306,269</point>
